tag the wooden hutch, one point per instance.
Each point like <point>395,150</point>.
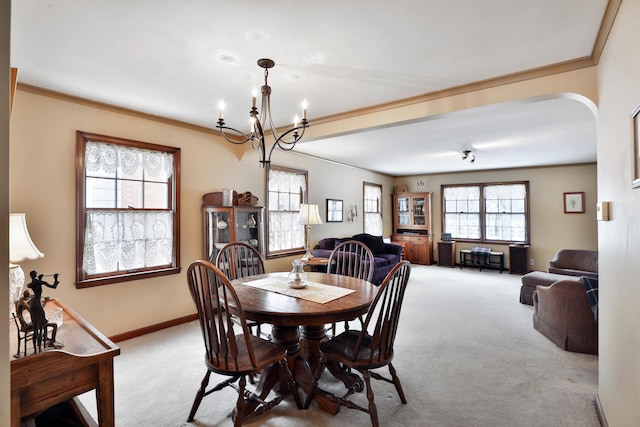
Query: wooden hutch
<point>412,226</point>
<point>241,222</point>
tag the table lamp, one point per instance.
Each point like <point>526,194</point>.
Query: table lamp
<point>309,216</point>
<point>21,248</point>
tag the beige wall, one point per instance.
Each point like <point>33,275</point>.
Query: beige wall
<point>43,185</point>
<point>551,228</point>
<point>619,239</point>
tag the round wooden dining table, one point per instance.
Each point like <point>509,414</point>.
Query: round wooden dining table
<point>299,326</point>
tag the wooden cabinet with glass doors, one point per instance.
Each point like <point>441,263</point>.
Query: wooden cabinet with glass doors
<point>412,226</point>
<point>232,224</point>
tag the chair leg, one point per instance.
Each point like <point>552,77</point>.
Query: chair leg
<point>237,419</point>
<point>314,382</point>
<point>373,411</point>
<point>199,396</point>
<point>291,382</point>
<point>396,382</point>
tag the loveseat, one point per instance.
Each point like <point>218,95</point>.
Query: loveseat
<point>386,255</point>
<point>567,264</point>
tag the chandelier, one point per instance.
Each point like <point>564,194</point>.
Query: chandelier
<point>262,120</point>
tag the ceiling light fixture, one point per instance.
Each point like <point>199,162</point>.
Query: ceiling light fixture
<point>259,121</point>
<point>469,156</point>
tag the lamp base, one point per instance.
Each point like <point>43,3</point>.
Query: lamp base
<point>307,256</point>
<point>16,283</point>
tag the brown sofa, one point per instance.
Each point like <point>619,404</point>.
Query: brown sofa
<point>567,264</point>
<point>575,262</point>
<point>563,314</point>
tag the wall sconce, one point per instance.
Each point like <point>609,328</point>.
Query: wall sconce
<point>352,213</point>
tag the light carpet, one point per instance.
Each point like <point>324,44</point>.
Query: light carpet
<point>466,354</point>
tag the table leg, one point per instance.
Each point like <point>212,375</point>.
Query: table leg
<point>272,378</point>
<point>105,394</point>
<point>15,408</point>
<point>302,356</point>
<point>310,341</point>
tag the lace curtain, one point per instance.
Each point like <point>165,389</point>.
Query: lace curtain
<point>285,230</point>
<point>107,159</point>
<point>121,241</point>
<point>372,215</point>
<point>127,239</point>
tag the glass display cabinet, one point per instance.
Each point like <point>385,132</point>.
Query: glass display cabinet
<point>412,226</point>
<point>232,224</point>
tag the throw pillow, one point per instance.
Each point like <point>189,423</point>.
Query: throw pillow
<point>328,243</point>
<point>374,243</point>
<point>591,288</point>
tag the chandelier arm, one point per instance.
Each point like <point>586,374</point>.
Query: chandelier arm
<point>296,137</point>
<point>289,145</point>
<point>266,114</point>
<point>247,138</point>
<point>259,135</point>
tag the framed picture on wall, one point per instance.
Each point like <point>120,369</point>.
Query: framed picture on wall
<point>635,139</point>
<point>334,210</point>
<point>574,202</point>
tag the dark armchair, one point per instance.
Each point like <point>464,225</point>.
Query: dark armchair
<point>563,314</point>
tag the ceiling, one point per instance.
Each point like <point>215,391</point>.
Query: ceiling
<point>177,59</point>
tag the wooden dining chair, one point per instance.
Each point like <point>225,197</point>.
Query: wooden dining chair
<point>372,347</point>
<point>351,258</point>
<point>230,352</point>
<point>240,259</point>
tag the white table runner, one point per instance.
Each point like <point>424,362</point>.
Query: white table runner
<point>316,292</point>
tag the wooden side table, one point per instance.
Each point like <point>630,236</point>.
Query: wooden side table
<point>317,264</point>
<point>447,253</point>
<point>42,380</point>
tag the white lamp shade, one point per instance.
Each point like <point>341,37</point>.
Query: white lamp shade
<point>21,247</point>
<point>309,214</point>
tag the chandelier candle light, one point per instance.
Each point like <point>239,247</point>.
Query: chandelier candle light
<point>261,120</point>
<point>309,215</point>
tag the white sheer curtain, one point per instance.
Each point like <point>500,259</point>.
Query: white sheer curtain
<point>127,239</point>
<point>285,231</point>
<point>372,215</point>
<point>106,159</point>
<point>120,241</point>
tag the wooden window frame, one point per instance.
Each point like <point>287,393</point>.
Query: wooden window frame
<point>85,281</point>
<point>364,204</point>
<point>482,213</point>
<point>303,199</point>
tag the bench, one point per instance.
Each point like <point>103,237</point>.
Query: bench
<point>495,259</point>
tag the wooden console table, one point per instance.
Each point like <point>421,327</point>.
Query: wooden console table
<point>42,380</point>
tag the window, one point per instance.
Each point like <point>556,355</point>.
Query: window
<point>127,210</point>
<point>486,212</point>
<point>372,202</point>
<point>286,191</point>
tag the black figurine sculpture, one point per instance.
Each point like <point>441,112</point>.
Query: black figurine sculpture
<point>39,321</point>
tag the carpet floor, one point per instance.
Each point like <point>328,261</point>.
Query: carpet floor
<point>466,354</point>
